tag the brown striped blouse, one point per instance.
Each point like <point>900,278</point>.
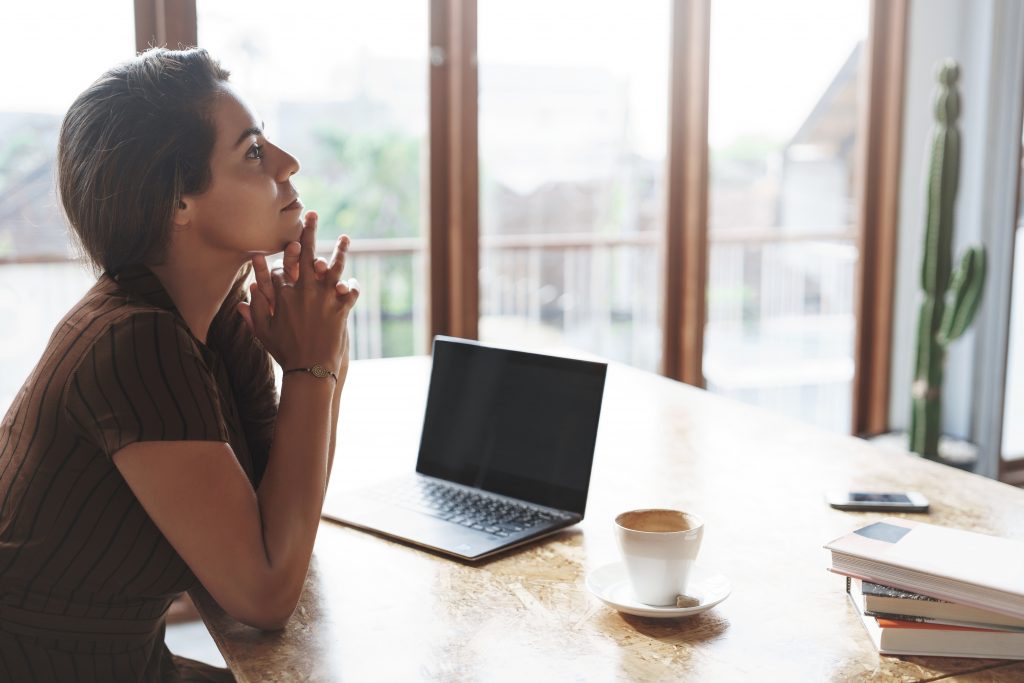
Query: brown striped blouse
<point>85,575</point>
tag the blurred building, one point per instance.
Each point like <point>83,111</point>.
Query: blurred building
<point>31,225</point>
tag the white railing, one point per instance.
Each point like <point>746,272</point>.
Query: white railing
<point>780,307</point>
<point>595,292</point>
<point>781,324</point>
<point>36,292</point>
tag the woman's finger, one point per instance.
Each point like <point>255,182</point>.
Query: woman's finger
<point>291,261</point>
<point>278,279</point>
<point>243,310</point>
<point>308,240</point>
<point>320,266</point>
<point>346,286</point>
<point>339,256</point>
<point>259,313</point>
<point>262,271</point>
<point>347,294</point>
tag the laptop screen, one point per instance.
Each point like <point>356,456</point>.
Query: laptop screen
<point>514,423</point>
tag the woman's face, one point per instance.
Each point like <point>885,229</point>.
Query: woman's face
<point>250,206</point>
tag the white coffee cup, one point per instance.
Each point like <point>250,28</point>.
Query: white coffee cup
<point>659,548</point>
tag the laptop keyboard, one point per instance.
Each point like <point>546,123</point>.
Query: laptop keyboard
<point>470,509</point>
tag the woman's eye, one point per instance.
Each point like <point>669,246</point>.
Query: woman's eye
<point>255,152</point>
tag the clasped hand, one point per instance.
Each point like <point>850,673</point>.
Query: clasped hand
<point>299,310</point>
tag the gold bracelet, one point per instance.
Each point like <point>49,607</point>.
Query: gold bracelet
<point>317,370</point>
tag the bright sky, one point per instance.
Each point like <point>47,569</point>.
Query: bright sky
<point>770,60</point>
<point>298,47</point>
<point>53,49</point>
<point>628,39</point>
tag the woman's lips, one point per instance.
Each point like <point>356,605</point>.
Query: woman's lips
<point>294,206</point>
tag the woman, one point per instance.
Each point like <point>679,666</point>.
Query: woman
<point>147,451</point>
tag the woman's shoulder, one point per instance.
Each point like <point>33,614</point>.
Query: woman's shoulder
<point>109,326</point>
<point>107,309</point>
<point>109,338</point>
<point>137,374</point>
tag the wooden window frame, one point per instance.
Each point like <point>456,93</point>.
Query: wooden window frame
<point>878,214</point>
<point>1012,471</point>
<point>454,171</point>
<point>165,23</point>
<point>685,260</point>
<point>878,172</point>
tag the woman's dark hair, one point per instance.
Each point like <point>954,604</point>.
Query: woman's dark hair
<point>130,147</point>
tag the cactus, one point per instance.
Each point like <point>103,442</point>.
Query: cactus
<point>950,299</point>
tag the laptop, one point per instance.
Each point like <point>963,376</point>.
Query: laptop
<point>505,454</point>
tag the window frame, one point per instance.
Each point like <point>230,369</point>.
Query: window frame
<point>684,289</point>
<point>454,211</point>
<point>165,22</point>
<point>878,214</point>
<point>1012,471</point>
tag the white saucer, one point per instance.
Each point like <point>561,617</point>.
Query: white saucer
<point>611,585</point>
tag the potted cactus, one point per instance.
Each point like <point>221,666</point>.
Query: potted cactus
<point>950,299</point>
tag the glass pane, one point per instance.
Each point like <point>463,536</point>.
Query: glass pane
<point>573,106</point>
<point>346,93</point>
<point>1013,404</point>
<point>36,89</point>
<point>785,87</point>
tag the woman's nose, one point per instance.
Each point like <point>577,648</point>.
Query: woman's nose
<point>289,166</point>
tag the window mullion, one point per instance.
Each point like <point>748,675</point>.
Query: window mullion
<point>878,215</point>
<point>454,181</point>
<point>165,23</point>
<point>686,220</point>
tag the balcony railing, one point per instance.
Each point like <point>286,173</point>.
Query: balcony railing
<point>780,306</point>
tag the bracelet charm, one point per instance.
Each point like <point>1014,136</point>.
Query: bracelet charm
<point>317,370</point>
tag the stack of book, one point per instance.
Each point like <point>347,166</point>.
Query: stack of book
<point>922,589</point>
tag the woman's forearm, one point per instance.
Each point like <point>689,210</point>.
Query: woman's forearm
<point>290,495</point>
<point>335,407</point>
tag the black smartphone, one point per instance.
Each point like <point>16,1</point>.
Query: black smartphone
<point>899,501</point>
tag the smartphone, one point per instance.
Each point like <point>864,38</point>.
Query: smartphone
<point>901,501</point>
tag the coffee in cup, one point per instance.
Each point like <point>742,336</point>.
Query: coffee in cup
<point>659,548</point>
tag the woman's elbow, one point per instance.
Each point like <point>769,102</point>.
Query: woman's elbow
<point>268,609</point>
<point>267,622</point>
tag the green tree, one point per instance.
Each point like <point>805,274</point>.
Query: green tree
<point>368,186</point>
<point>365,185</point>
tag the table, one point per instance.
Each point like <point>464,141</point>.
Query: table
<point>377,610</point>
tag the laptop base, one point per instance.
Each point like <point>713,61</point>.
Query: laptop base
<point>367,512</point>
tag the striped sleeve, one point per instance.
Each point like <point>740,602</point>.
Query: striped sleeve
<point>144,379</point>
<point>251,374</point>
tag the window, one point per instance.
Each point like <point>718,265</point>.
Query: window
<point>572,120</point>
<point>1013,427</point>
<point>35,250</point>
<point>346,94</point>
<point>572,111</point>
<point>785,91</point>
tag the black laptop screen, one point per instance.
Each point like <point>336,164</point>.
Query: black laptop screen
<point>519,424</point>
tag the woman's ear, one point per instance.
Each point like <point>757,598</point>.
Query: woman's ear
<point>183,213</point>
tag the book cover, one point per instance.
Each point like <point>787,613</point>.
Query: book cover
<point>892,637</point>
<point>863,601</point>
<point>964,567</point>
<point>885,601</point>
<point>880,591</point>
